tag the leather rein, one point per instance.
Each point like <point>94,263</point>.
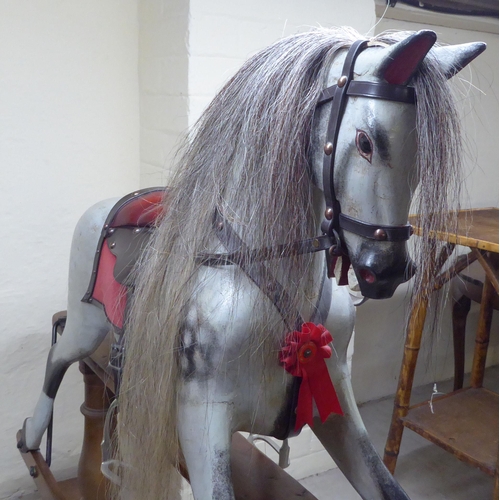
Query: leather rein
<point>330,241</point>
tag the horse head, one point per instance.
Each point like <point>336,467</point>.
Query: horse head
<point>369,161</point>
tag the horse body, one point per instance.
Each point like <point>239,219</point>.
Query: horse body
<point>203,352</point>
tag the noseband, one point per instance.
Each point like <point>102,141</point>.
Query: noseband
<point>339,93</point>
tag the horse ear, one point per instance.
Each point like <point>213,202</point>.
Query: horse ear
<point>454,58</point>
<point>404,57</point>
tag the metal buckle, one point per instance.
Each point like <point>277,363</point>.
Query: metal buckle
<point>336,249</point>
<point>116,357</point>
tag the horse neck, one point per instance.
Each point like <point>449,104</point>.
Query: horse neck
<point>279,267</point>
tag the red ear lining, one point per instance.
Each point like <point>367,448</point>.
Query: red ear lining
<point>406,59</point>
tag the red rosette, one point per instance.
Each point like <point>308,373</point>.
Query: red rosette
<point>303,355</point>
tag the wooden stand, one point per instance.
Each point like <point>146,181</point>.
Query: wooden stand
<point>254,475</point>
<point>464,422</point>
<point>97,400</point>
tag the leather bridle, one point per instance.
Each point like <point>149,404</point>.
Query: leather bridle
<point>339,93</point>
<point>335,220</point>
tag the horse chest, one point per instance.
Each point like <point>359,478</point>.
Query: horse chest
<point>220,360</point>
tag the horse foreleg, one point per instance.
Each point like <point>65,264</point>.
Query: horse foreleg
<point>205,438</point>
<point>345,438</point>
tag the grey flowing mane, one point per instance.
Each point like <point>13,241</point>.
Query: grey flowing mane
<point>248,156</point>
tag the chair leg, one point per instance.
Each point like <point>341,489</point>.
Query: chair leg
<point>402,399</point>
<point>461,309</point>
<point>483,333</point>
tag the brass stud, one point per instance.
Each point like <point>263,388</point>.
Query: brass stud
<point>380,235</point>
<point>329,213</point>
<point>113,245</point>
<point>342,81</point>
<point>315,243</point>
<point>328,149</point>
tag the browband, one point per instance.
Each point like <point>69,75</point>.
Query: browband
<point>373,90</point>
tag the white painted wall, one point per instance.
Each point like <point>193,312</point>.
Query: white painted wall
<point>69,136</point>
<point>224,34</point>
<point>163,76</point>
<point>190,49</point>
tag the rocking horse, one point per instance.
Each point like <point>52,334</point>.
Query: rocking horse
<point>225,317</point>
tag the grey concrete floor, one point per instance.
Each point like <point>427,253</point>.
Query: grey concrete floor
<point>425,471</point>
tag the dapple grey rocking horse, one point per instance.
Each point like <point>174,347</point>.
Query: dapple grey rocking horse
<point>315,147</point>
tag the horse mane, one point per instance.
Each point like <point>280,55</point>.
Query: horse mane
<point>439,167</point>
<point>248,157</point>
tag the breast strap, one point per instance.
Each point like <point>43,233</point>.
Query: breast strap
<point>251,263</point>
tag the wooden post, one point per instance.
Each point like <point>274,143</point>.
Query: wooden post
<point>407,373</point>
<point>93,485</point>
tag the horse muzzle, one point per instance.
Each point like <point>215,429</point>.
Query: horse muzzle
<point>379,273</point>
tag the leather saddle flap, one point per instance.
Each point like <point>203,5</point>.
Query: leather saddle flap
<point>125,234</point>
<point>127,245</point>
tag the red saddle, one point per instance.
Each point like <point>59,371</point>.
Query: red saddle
<point>125,233</point>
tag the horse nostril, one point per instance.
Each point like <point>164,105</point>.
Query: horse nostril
<point>367,276</point>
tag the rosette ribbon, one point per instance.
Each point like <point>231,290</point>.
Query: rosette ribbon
<point>303,355</point>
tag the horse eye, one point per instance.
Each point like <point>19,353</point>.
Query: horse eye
<point>364,145</point>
